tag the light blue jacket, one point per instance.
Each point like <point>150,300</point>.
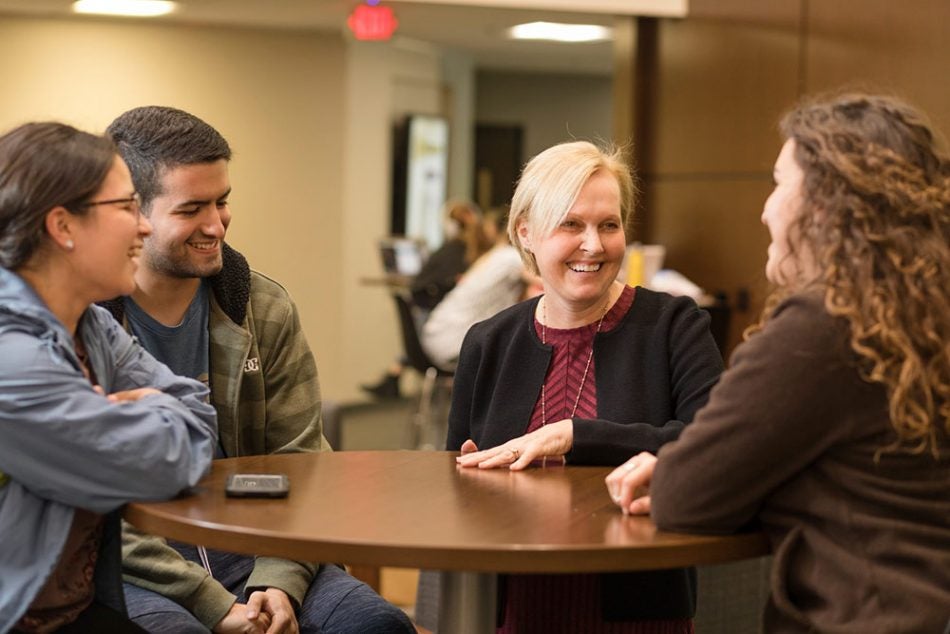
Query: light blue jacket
<point>63,446</point>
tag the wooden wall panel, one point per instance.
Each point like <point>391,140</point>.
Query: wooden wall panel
<point>723,82</point>
<point>713,236</point>
<point>899,47</point>
<point>724,75</point>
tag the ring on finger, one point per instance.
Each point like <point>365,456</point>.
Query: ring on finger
<point>515,453</point>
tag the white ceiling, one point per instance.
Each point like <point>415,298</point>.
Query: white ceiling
<point>479,31</point>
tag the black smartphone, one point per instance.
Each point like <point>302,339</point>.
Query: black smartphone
<point>257,485</point>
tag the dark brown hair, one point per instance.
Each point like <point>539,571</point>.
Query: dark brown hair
<point>152,139</point>
<point>42,166</point>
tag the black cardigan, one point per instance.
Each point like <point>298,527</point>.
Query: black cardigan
<point>653,372</point>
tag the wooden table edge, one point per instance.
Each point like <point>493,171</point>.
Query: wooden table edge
<point>539,559</point>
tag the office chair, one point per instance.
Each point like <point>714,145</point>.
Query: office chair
<point>436,382</point>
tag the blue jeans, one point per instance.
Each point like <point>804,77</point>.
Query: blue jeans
<point>336,603</point>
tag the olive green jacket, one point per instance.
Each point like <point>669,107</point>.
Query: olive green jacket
<point>264,386</point>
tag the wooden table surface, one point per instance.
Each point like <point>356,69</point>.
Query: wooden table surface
<point>418,509</point>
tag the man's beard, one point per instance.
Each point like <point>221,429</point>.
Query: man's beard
<point>180,266</point>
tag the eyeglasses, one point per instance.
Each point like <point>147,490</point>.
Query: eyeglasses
<point>132,204</point>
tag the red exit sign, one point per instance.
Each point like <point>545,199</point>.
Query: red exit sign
<point>372,22</point>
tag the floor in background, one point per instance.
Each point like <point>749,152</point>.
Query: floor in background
<point>399,587</point>
<point>384,424</point>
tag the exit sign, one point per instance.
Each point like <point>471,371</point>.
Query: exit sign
<point>372,22</point>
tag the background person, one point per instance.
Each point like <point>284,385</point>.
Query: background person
<point>198,306</point>
<point>587,372</point>
<point>830,428</point>
<point>465,241</point>
<point>495,281</point>
<point>71,234</point>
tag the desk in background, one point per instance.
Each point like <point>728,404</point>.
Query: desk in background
<point>392,281</point>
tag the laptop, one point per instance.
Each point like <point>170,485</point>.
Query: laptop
<point>402,256</point>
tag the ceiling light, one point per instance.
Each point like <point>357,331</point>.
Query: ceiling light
<point>133,8</point>
<point>559,32</point>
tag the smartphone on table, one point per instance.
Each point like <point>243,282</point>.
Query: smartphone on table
<point>257,485</point>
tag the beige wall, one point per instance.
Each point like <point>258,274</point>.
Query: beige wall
<point>276,96</point>
<point>308,115</point>
<point>383,83</point>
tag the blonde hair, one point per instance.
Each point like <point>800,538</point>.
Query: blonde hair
<point>551,182</point>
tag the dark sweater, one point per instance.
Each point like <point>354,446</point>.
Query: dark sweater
<point>789,438</point>
<point>653,372</point>
<point>439,274</point>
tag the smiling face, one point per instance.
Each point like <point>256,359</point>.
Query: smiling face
<point>783,206</point>
<point>580,259</point>
<point>108,239</point>
<point>189,218</point>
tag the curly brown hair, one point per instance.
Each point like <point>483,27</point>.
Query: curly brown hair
<point>876,221</point>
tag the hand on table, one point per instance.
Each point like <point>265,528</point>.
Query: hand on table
<point>555,439</point>
<point>629,484</point>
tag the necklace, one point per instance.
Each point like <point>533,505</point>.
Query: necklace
<point>590,356</point>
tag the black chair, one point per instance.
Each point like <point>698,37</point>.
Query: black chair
<point>436,382</point>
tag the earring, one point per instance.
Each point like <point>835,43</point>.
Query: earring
<point>69,245</point>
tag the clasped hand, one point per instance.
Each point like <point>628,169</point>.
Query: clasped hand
<point>629,484</point>
<point>555,439</point>
<point>266,612</point>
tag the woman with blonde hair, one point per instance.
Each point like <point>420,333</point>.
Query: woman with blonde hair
<point>588,373</point>
<point>831,429</point>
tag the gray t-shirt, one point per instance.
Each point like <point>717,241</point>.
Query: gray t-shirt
<point>183,348</point>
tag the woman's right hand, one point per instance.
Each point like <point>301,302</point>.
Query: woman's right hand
<point>629,484</point>
<point>553,440</point>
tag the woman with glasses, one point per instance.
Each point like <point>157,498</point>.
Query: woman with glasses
<point>831,429</point>
<point>88,420</point>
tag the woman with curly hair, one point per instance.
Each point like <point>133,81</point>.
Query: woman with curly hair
<point>831,429</point>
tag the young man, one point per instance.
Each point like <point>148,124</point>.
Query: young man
<point>200,309</point>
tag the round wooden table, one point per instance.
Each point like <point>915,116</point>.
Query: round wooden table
<point>418,509</point>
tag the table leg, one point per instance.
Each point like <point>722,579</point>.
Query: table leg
<point>370,575</point>
<point>467,602</point>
